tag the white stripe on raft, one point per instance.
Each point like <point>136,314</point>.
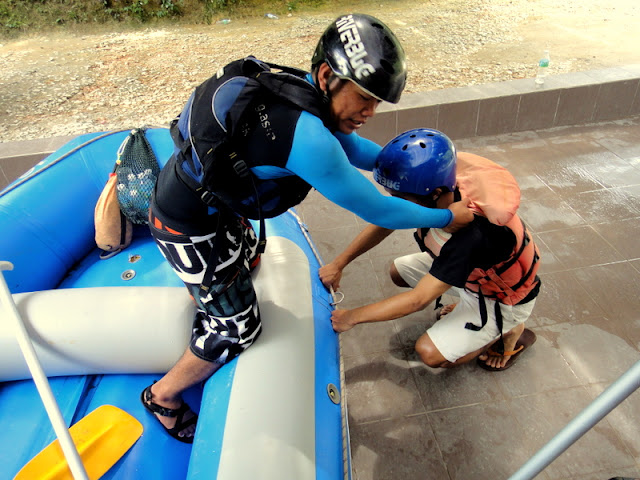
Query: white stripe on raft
<point>80,331</point>
<point>270,426</point>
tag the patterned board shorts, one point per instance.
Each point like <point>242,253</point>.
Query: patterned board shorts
<point>228,319</point>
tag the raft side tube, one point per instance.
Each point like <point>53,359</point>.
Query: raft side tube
<point>98,330</point>
<point>50,215</point>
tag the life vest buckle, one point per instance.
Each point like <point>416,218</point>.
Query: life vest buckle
<point>241,168</point>
<point>209,198</point>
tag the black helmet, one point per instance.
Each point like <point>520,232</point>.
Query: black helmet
<point>364,50</point>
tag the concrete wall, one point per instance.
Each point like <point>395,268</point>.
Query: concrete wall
<point>513,106</point>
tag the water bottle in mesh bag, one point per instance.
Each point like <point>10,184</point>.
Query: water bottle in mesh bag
<point>137,169</point>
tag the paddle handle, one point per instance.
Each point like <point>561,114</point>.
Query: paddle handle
<point>42,383</point>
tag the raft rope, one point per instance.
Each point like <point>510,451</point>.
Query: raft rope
<point>343,401</point>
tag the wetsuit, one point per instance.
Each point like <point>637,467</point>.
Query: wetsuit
<point>185,228</point>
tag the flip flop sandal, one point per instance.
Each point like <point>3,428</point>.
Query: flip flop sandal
<point>527,338</point>
<point>153,408</point>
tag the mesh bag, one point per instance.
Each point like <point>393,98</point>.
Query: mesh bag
<point>137,169</point>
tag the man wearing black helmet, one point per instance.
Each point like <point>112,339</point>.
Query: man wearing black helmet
<point>251,144</point>
<point>493,261</point>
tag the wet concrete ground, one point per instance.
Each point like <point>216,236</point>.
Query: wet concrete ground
<point>580,197</point>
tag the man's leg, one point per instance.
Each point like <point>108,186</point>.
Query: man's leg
<point>432,357</point>
<point>408,270</point>
<point>167,392</point>
<point>228,319</point>
<point>225,326</point>
<point>515,336</point>
<point>449,341</point>
<point>396,278</point>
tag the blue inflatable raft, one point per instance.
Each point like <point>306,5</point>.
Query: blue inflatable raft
<point>105,329</point>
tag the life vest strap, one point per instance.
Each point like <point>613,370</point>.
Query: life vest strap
<point>525,278</point>
<point>482,306</point>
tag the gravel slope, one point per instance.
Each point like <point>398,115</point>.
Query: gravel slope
<point>67,84</point>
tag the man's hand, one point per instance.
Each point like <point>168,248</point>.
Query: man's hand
<point>330,275</point>
<point>462,215</point>
<point>342,320</point>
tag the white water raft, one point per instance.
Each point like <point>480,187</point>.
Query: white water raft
<point>106,329</point>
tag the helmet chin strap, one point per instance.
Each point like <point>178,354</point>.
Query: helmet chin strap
<point>328,94</point>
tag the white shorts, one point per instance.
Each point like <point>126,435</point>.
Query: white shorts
<point>449,334</point>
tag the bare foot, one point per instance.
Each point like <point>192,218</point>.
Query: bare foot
<point>497,362</point>
<point>493,361</point>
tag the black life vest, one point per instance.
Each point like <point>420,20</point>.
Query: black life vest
<point>213,154</point>
<point>226,129</point>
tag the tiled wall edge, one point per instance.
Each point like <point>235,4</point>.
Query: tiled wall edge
<point>513,106</point>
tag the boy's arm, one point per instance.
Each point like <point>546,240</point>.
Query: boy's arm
<point>368,238</point>
<point>426,291</point>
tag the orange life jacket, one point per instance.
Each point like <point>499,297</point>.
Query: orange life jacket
<point>494,194</point>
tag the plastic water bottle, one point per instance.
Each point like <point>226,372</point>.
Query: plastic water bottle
<point>543,68</point>
<point>145,184</point>
<point>271,16</point>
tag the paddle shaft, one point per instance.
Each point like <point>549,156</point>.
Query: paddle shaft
<point>42,383</point>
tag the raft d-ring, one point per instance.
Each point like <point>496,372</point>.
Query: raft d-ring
<point>334,393</point>
<point>337,299</point>
<point>128,274</point>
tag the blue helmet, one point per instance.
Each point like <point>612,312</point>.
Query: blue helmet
<point>417,161</point>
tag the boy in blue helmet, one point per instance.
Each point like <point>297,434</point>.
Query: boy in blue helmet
<point>492,262</point>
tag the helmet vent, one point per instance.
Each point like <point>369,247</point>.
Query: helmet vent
<point>423,145</point>
<point>404,147</point>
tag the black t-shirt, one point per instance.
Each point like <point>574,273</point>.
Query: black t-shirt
<point>481,244</point>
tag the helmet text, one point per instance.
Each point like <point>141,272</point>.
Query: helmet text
<point>385,182</point>
<point>353,47</point>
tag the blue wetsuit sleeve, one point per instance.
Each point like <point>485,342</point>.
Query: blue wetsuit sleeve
<point>318,158</point>
<point>361,152</point>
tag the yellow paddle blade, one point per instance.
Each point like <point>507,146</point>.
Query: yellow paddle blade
<point>102,437</point>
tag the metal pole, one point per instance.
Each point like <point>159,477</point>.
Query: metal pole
<point>585,420</point>
<point>42,383</point>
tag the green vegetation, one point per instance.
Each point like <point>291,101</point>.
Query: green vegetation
<point>24,16</point>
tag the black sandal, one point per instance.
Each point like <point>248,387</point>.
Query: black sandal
<point>153,408</point>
